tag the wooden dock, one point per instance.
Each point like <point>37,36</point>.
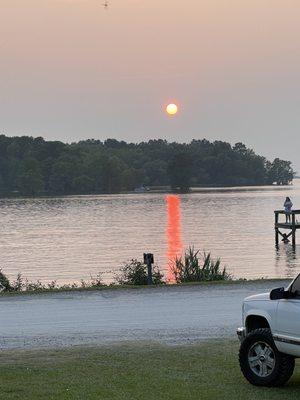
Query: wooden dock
<point>291,226</point>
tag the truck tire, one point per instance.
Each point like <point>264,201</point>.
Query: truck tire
<point>260,361</point>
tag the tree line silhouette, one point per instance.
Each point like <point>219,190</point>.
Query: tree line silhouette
<point>33,166</point>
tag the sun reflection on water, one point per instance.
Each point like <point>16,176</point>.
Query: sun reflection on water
<point>173,231</point>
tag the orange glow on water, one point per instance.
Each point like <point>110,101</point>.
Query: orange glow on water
<point>173,232</point>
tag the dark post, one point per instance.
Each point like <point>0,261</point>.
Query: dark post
<point>149,260</point>
<point>276,229</point>
<point>294,230</point>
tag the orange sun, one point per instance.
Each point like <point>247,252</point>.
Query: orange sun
<point>172,109</point>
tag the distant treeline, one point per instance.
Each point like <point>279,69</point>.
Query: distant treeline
<point>32,166</point>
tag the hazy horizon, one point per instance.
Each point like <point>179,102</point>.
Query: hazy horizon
<point>71,70</point>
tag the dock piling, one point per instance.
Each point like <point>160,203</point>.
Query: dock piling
<point>276,230</point>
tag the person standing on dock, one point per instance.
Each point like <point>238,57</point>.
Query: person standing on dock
<point>288,208</point>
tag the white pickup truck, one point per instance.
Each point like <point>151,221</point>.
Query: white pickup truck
<point>270,336</point>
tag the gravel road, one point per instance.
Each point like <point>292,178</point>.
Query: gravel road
<point>172,315</point>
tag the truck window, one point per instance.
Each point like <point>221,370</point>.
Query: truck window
<point>296,286</point>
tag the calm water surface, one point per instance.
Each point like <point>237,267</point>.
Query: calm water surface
<point>68,239</point>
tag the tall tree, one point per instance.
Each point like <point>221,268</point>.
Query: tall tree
<point>180,171</point>
<point>280,172</point>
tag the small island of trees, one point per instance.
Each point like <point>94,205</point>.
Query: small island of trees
<point>35,167</point>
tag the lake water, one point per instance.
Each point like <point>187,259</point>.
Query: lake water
<point>70,238</point>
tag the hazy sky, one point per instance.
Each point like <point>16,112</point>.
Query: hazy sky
<point>71,70</point>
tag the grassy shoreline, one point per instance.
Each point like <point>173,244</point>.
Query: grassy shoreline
<point>141,287</point>
<point>140,371</point>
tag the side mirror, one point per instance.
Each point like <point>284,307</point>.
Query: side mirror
<point>279,293</point>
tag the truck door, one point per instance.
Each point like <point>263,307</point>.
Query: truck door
<point>287,327</point>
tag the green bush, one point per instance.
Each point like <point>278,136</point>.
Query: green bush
<point>24,285</point>
<point>135,273</point>
<point>5,285</point>
<point>194,267</point>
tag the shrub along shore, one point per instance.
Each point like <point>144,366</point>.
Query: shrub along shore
<point>112,286</point>
<point>192,268</point>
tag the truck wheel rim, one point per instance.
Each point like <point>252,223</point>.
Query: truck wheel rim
<point>261,359</point>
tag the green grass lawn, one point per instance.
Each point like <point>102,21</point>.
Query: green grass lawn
<point>208,370</point>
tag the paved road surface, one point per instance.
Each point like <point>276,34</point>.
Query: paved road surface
<point>173,315</point>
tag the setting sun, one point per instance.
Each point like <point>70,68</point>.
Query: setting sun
<point>172,109</point>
